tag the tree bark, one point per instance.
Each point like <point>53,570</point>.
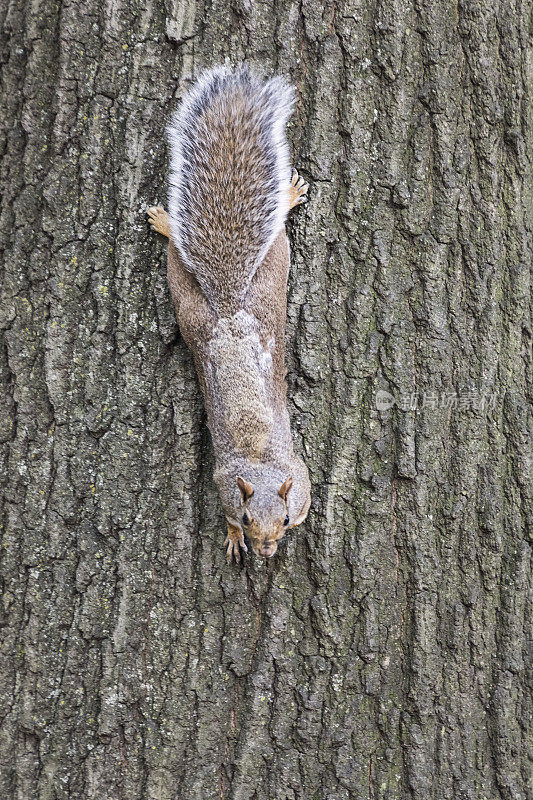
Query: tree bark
<point>381,655</point>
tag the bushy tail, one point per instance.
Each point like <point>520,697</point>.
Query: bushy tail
<point>229,179</point>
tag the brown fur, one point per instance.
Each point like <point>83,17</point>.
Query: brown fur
<point>229,173</point>
<point>229,194</point>
<point>249,425</point>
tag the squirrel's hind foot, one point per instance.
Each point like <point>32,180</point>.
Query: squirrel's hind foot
<point>158,219</point>
<point>297,190</point>
<point>233,541</point>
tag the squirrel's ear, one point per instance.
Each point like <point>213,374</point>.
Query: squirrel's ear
<point>285,488</point>
<point>246,489</point>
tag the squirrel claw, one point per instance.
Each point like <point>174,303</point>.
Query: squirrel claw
<point>297,190</point>
<point>158,219</point>
<point>233,542</point>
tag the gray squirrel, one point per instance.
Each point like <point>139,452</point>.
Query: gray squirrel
<point>228,258</point>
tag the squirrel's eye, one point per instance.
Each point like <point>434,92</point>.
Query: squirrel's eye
<point>245,519</point>
<point>286,520</point>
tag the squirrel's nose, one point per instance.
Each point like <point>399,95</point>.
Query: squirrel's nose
<point>269,549</point>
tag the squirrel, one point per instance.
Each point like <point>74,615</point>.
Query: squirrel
<point>231,189</point>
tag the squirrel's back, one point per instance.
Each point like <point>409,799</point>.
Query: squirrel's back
<point>229,179</point>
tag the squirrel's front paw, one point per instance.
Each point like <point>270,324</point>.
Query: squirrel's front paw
<point>234,540</point>
<point>158,219</point>
<point>297,191</point>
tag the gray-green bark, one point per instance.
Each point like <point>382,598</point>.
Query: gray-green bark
<point>381,654</point>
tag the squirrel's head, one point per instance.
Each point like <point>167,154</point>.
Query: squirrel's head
<point>264,514</point>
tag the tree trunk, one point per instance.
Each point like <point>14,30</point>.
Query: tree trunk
<point>381,654</point>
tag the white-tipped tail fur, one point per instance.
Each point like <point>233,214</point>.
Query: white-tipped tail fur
<point>229,178</point>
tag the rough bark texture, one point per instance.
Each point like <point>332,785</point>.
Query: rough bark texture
<point>381,654</point>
